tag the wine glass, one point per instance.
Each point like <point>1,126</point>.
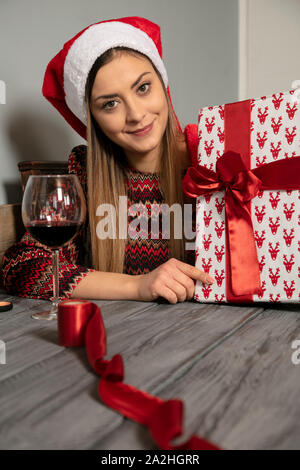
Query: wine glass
<point>53,211</point>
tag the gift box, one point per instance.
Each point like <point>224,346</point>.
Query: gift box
<point>247,185</point>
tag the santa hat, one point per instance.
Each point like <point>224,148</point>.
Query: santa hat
<point>66,74</point>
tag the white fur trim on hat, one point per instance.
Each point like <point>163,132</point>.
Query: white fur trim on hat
<point>93,42</point>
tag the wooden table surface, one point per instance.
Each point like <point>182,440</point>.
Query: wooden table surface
<point>231,365</point>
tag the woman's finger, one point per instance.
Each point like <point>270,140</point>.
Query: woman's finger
<point>177,288</point>
<point>168,294</point>
<point>186,282</point>
<point>195,273</point>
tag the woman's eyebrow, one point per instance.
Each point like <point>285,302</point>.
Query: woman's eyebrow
<point>115,95</point>
<point>139,79</point>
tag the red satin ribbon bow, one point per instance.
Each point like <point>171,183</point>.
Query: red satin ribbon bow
<point>80,322</point>
<point>241,185</point>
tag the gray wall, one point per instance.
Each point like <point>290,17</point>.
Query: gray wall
<point>273,46</point>
<point>200,45</point>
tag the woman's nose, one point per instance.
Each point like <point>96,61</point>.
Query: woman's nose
<point>134,111</point>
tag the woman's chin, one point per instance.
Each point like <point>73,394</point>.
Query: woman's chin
<point>143,148</point>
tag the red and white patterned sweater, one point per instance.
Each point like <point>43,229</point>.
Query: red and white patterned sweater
<point>27,265</point>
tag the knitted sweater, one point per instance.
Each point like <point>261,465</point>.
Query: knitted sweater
<point>27,265</point>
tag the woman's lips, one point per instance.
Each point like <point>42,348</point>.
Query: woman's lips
<point>142,132</point>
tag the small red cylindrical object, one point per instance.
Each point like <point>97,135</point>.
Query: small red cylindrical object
<point>72,318</point>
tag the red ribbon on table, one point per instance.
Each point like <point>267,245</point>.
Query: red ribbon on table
<point>80,323</point>
<point>241,185</point>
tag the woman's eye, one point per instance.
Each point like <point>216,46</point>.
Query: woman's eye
<point>109,105</point>
<point>144,87</point>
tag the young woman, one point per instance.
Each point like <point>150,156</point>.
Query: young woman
<point>110,84</point>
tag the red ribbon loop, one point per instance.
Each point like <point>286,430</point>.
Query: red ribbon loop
<point>241,185</point>
<point>80,322</point>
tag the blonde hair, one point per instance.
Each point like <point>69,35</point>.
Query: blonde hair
<point>106,177</point>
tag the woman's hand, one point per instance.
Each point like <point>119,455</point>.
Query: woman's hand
<point>173,280</point>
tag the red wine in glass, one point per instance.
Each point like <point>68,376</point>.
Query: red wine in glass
<point>55,235</point>
<point>53,211</point>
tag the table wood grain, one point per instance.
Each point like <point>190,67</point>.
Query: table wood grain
<point>229,364</point>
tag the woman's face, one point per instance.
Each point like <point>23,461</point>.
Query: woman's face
<point>129,104</point>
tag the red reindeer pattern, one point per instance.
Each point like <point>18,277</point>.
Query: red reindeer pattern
<point>220,204</point>
<point>288,263</point>
<point>219,253</point>
<point>221,135</point>
<point>288,237</point>
<point>221,299</point>
<point>260,162</point>
<point>275,150</point>
<point>206,290</point>
<point>260,213</point>
<point>289,289</point>
<point>261,140</point>
<point>286,155</point>
<point>291,111</point>
<point>274,276</point>
<point>290,135</point>
<point>209,124</point>
<point>210,166</point>
<point>277,100</point>
<point>263,289</point>
<point>288,211</point>
<point>274,200</point>
<point>219,277</point>
<point>252,104</point>
<point>207,218</point>
<point>208,147</point>
<point>259,238</point>
<point>206,242</point>
<point>273,262</point>
<point>274,250</point>
<point>260,194</point>
<point>206,265</point>
<point>274,225</point>
<point>219,229</point>
<point>261,263</point>
<point>262,115</point>
<point>274,299</point>
<point>276,124</point>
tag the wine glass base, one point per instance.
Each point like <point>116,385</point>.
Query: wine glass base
<point>47,315</point>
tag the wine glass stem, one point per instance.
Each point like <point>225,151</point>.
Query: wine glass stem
<point>55,267</point>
